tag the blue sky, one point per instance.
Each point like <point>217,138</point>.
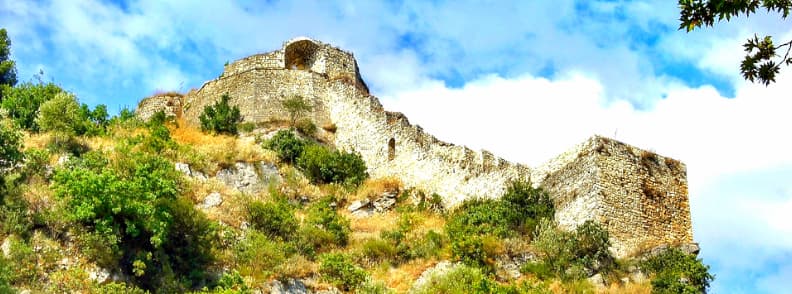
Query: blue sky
<point>524,79</point>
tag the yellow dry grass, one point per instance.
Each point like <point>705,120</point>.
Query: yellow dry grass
<point>231,211</point>
<point>401,277</point>
<point>373,188</point>
<point>219,149</point>
<point>631,288</point>
<point>39,141</point>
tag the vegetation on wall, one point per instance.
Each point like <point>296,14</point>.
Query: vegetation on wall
<point>220,118</point>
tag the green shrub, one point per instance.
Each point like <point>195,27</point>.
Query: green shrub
<point>482,217</point>
<point>470,251</point>
<point>323,216</point>
<point>157,140</point>
<point>678,272</point>
<point>6,276</point>
<point>276,219</point>
<point>460,279</point>
<point>296,106</point>
<point>306,126</point>
<point>260,257</point>
<point>246,127</point>
<point>10,145</point>
<point>62,116</point>
<point>23,101</point>
<point>312,239</point>
<point>338,269</point>
<point>378,250</point>
<point>128,203</point>
<point>323,165</point>
<point>287,145</point>
<point>36,162</point>
<point>532,204</point>
<point>570,255</point>
<point>191,239</point>
<point>220,118</point>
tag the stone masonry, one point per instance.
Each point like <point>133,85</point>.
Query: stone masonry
<point>639,196</point>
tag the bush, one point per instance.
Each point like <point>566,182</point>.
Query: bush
<point>62,116</point>
<point>571,255</point>
<point>532,204</point>
<point>10,145</point>
<point>482,217</point>
<point>287,145</point>
<point>36,162</point>
<point>220,118</point>
<point>6,274</point>
<point>678,272</point>
<point>296,106</point>
<point>338,269</point>
<point>306,126</point>
<point>322,165</point>
<point>128,204</point>
<point>23,101</point>
<point>321,215</point>
<point>260,257</point>
<point>378,250</point>
<point>274,219</point>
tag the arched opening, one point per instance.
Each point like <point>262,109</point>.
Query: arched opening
<point>300,54</point>
<point>391,149</point>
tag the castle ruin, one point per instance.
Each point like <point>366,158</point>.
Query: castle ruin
<point>638,196</point>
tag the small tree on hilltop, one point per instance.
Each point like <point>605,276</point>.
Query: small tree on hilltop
<point>296,106</point>
<point>62,116</point>
<point>220,117</point>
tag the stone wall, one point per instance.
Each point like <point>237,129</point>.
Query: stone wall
<point>640,197</point>
<point>171,104</point>
<point>392,147</point>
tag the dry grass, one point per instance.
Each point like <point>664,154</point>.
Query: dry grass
<point>401,278</point>
<point>631,288</point>
<point>373,188</point>
<point>218,150</point>
<point>231,211</point>
<point>39,140</point>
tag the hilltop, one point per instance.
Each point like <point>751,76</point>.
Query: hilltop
<point>285,175</point>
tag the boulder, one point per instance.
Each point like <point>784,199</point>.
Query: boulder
<point>214,199</point>
<point>289,286</point>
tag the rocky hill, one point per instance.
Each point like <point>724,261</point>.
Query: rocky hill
<point>284,175</point>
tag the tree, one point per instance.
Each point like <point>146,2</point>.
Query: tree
<point>296,106</point>
<point>22,102</point>
<point>762,62</point>
<point>7,67</point>
<point>10,143</point>
<point>220,117</point>
<point>61,115</point>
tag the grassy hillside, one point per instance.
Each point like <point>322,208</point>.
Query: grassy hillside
<point>92,204</point>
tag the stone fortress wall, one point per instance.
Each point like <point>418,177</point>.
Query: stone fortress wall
<point>640,197</point>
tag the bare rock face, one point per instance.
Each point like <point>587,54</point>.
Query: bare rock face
<point>214,199</point>
<point>6,247</point>
<point>249,178</point>
<point>289,286</point>
<point>99,275</point>
<point>187,171</point>
<point>365,208</point>
<point>439,269</point>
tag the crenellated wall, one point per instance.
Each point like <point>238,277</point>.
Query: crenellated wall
<point>640,197</point>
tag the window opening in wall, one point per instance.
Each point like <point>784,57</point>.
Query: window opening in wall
<point>391,149</point>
